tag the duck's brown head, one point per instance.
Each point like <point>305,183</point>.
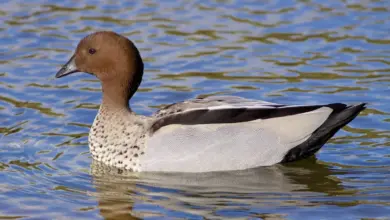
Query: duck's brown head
<point>113,59</point>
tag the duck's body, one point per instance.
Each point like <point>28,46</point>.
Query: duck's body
<point>200,135</point>
<point>214,134</point>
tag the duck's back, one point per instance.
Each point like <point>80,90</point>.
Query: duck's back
<point>228,133</point>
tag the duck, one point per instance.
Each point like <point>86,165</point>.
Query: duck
<point>209,134</point>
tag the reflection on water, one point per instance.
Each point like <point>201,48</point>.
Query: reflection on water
<point>209,193</point>
<point>286,51</point>
<point>306,184</point>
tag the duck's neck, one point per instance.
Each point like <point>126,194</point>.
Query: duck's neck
<point>115,96</point>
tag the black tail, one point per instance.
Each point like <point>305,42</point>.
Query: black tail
<point>340,116</point>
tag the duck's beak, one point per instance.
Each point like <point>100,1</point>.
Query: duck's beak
<point>69,68</point>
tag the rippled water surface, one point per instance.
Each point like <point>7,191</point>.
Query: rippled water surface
<point>283,51</point>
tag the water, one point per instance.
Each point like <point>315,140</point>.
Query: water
<point>282,51</point>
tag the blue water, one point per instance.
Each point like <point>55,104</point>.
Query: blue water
<point>293,52</point>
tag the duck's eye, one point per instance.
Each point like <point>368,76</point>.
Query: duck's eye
<point>91,51</point>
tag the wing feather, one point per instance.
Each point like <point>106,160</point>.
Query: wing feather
<point>213,115</point>
<point>229,146</point>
